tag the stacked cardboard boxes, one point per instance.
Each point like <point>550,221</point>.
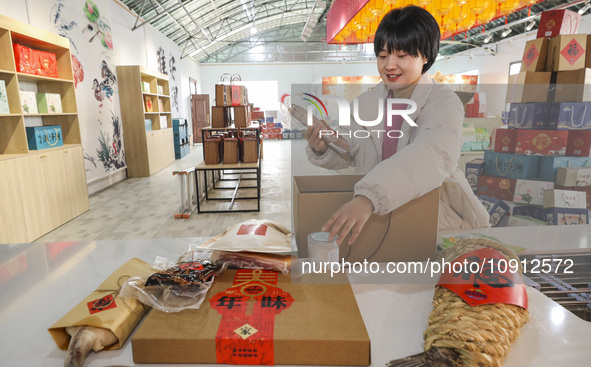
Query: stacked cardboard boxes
<point>538,166</point>
<point>231,106</point>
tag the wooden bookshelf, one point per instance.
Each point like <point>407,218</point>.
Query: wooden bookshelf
<point>146,96</point>
<point>39,189</point>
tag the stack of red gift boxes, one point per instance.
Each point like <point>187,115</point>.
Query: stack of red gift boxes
<point>539,170</point>
<point>34,62</point>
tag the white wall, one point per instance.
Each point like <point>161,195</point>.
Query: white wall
<point>137,47</point>
<point>284,74</point>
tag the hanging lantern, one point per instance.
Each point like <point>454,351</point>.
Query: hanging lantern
<point>508,6</point>
<point>376,7</point>
<point>457,15</point>
<point>477,6</point>
<point>423,3</point>
<point>443,7</point>
<point>490,12</point>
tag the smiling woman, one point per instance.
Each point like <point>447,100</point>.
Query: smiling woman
<point>421,157</point>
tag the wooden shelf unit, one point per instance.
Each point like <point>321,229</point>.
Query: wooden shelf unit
<point>39,189</point>
<point>147,152</point>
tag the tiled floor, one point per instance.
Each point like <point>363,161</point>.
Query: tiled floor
<point>139,208</point>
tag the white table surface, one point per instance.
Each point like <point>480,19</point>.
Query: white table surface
<point>395,314</point>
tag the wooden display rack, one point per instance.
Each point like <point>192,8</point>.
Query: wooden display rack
<point>39,189</point>
<point>147,152</point>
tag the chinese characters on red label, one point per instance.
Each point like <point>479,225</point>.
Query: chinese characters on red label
<point>101,304</point>
<point>484,277</point>
<point>248,309</point>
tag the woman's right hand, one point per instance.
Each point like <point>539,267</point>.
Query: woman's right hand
<point>316,143</point>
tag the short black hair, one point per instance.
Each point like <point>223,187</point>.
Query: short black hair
<point>410,29</point>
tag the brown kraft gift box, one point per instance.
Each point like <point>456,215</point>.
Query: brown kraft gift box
<point>406,234</point>
<point>261,318</point>
<point>223,95</point>
<point>534,56</point>
<point>241,116</point>
<point>529,86</point>
<point>566,52</point>
<point>573,86</point>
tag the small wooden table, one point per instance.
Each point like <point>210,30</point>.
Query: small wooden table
<point>237,169</point>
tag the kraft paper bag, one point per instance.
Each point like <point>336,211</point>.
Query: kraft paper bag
<point>104,308</point>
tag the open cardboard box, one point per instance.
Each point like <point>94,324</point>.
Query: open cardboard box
<point>408,233</point>
<point>262,318</point>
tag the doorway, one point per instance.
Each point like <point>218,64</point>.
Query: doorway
<point>200,113</point>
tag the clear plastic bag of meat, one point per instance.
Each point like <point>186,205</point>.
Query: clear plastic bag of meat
<point>180,284</point>
<point>253,260</point>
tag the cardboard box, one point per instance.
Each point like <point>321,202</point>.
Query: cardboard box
<point>383,238</point>
<point>541,142</point>
<point>496,187</point>
<point>43,137</point>
<point>566,52</point>
<point>556,22</point>
<point>28,102</point>
<point>573,86</point>
<point>531,191</point>
<point>562,216</point>
<point>259,319</point>
<point>584,189</point>
<point>579,143</point>
<point>574,116</point>
<point>49,103</point>
<point>474,169</point>
<point>529,86</point>
<point>549,165</point>
<point>241,116</point>
<point>4,108</point>
<point>565,199</point>
<point>496,208</point>
<point>566,176</point>
<point>223,95</point>
<point>220,117</point>
<point>525,167</point>
<point>534,55</point>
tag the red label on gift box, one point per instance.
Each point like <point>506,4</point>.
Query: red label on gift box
<point>530,56</point>
<point>497,187</point>
<point>572,51</point>
<point>252,229</point>
<point>541,142</point>
<point>248,308</point>
<point>485,276</point>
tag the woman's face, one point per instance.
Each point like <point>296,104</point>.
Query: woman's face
<point>399,68</point>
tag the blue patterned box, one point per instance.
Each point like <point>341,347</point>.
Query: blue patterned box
<point>534,115</point>
<point>495,207</point>
<point>474,169</point>
<point>549,165</point>
<point>574,116</point>
<point>562,216</point>
<point>43,137</point>
<point>525,167</point>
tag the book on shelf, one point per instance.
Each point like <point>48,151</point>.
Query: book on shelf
<point>160,89</point>
<point>3,98</point>
<point>146,87</point>
<point>160,106</point>
<point>149,107</point>
<point>28,102</point>
<point>163,122</point>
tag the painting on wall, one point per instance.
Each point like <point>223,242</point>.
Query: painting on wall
<point>169,68</point>
<point>86,25</point>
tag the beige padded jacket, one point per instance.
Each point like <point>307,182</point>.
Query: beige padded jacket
<point>426,158</point>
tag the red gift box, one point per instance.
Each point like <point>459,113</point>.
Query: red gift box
<point>586,189</point>
<point>45,63</point>
<point>496,187</point>
<point>505,140</point>
<point>541,142</point>
<point>579,143</point>
<point>556,22</point>
<point>22,58</point>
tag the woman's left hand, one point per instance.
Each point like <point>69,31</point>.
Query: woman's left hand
<point>350,217</point>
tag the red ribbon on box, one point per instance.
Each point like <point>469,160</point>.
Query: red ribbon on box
<point>248,308</point>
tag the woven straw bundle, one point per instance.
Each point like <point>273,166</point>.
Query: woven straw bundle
<point>461,335</point>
